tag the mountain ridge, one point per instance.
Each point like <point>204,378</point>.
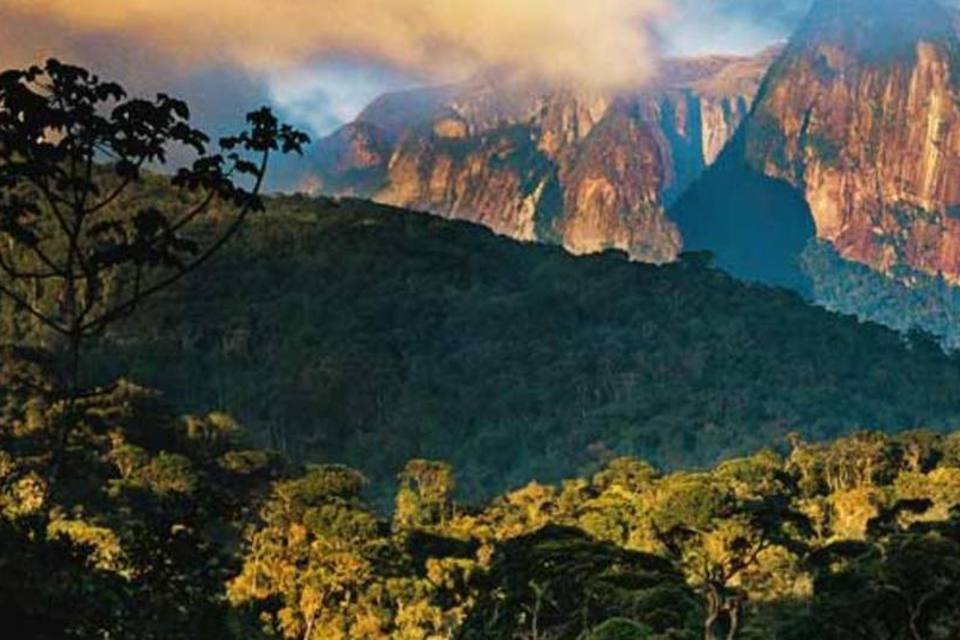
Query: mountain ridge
<point>587,170</point>
<point>866,149</point>
<point>853,139</point>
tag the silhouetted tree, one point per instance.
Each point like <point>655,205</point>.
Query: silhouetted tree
<point>79,252</point>
<point>899,584</point>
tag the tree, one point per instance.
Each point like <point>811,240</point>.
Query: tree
<point>718,527</point>
<point>425,495</point>
<point>79,250</point>
<point>899,585</point>
<point>559,583</point>
<point>309,553</point>
<point>620,629</point>
<point>321,566</point>
<point>862,460</point>
<point>141,515</point>
<point>48,588</point>
<point>921,450</point>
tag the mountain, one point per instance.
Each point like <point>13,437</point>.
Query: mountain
<point>345,331</point>
<point>586,170</point>
<point>861,114</point>
<point>755,225</point>
<point>850,158</point>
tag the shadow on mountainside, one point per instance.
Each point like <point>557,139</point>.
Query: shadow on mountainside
<point>756,226</point>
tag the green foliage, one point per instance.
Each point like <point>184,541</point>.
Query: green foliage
<point>320,566</point>
<point>904,298</point>
<point>386,338</point>
<point>140,515</point>
<point>558,583</point>
<point>424,496</point>
<point>167,527</point>
<point>79,254</point>
<point>353,333</point>
<point>902,585</point>
<point>48,590</point>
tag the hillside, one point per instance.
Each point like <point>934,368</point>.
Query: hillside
<point>171,527</point>
<point>357,333</point>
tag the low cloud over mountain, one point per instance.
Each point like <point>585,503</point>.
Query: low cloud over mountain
<point>603,42</point>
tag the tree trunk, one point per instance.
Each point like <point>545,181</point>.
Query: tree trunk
<point>70,418</point>
<point>734,609</point>
<point>714,599</point>
<point>308,632</point>
<point>914,629</point>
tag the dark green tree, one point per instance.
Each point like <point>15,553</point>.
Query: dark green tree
<point>78,251</point>
<point>899,584</point>
<point>718,527</point>
<point>559,583</point>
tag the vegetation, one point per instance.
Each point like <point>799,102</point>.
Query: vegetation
<point>72,147</point>
<point>398,333</point>
<point>78,254</point>
<point>345,332</point>
<point>905,299</point>
<point>173,527</point>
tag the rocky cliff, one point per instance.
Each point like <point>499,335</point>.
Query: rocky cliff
<point>862,114</point>
<point>589,171</point>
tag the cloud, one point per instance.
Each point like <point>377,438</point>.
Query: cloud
<point>327,96</point>
<point>595,42</point>
<point>320,61</point>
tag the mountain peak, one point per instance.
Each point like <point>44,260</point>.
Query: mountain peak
<point>880,28</point>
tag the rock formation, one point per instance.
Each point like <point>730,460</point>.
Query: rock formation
<point>862,115</point>
<point>586,170</point>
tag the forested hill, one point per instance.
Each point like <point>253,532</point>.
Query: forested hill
<point>356,333</point>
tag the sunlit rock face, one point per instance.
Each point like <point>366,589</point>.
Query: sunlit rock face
<point>354,158</point>
<point>862,114</point>
<point>586,170</point>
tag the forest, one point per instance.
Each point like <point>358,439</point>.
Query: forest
<point>905,299</point>
<point>347,332</point>
<point>168,526</point>
<point>224,415</point>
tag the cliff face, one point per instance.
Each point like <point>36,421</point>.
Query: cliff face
<point>589,171</point>
<point>353,160</point>
<point>611,185</point>
<point>501,180</point>
<point>862,114</point>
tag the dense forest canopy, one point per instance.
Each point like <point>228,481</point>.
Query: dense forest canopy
<point>343,331</point>
<point>904,299</point>
<point>173,526</point>
<point>442,363</point>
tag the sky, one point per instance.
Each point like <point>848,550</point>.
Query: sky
<point>698,27</point>
<point>319,62</point>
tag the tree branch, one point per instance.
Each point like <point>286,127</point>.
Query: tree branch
<point>95,326</point>
<point>31,310</point>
